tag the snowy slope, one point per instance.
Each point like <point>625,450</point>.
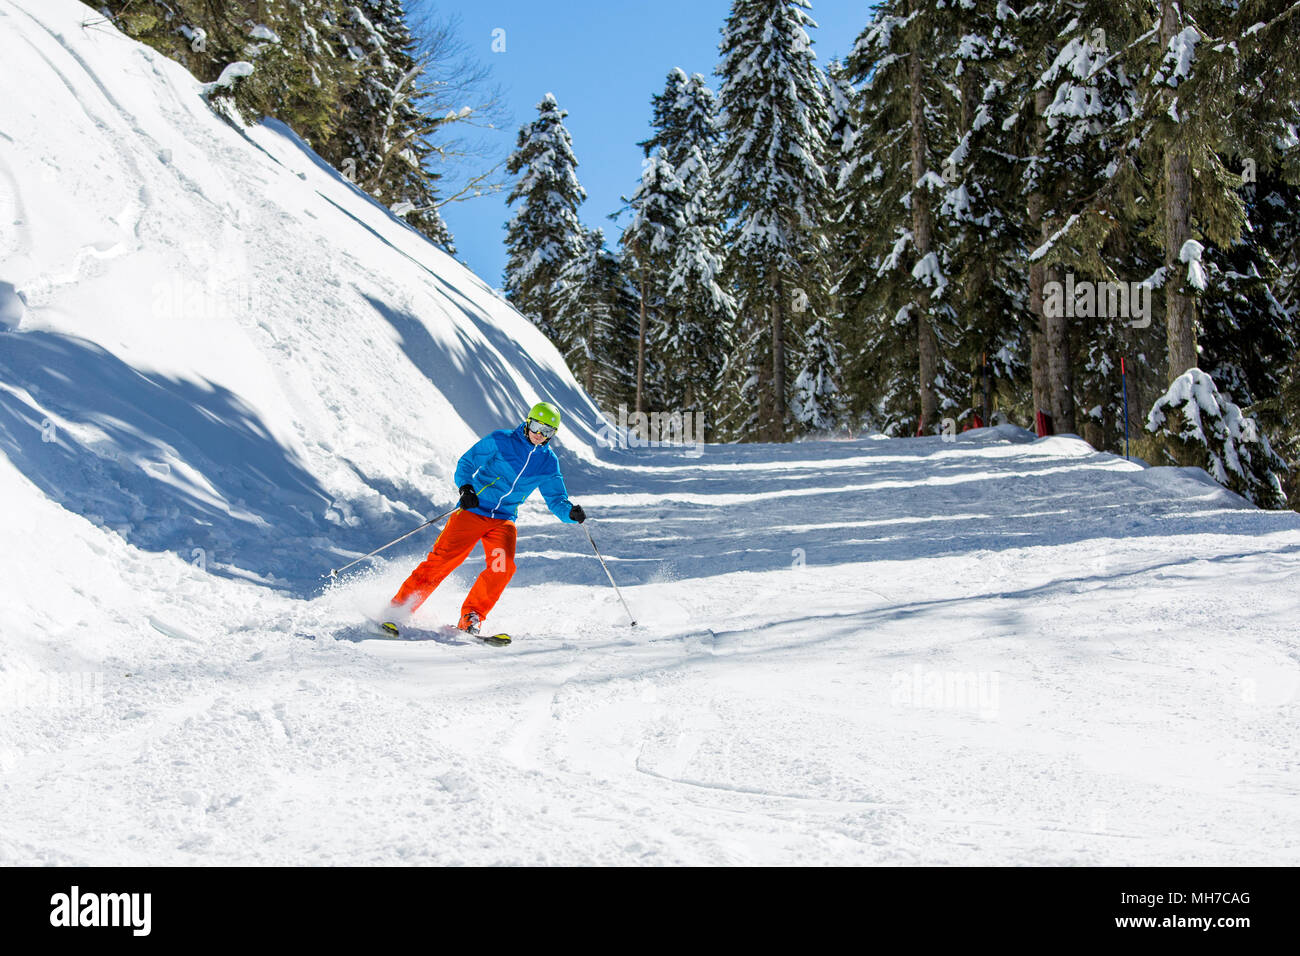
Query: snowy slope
<point>994,650</point>
<point>225,345</point>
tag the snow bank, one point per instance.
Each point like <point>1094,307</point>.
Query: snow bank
<point>224,345</point>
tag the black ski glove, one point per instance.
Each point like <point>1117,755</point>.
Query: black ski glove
<point>467,497</point>
<point>577,514</point>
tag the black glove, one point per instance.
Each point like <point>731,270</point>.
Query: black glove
<point>467,497</point>
<point>577,514</point>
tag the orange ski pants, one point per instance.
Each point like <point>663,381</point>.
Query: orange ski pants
<point>465,529</point>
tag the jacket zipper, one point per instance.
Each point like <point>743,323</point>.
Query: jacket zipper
<point>517,477</point>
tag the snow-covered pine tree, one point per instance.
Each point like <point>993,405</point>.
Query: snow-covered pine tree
<point>342,73</point>
<point>380,106</point>
<point>597,310</point>
<point>895,285</point>
<point>544,234</point>
<point>1076,98</point>
<point>1248,334</point>
<point>296,47</point>
<point>774,190</point>
<point>982,232</point>
<point>1251,338</point>
<point>658,209</point>
<point>843,233</point>
<point>1201,69</point>
<point>842,115</point>
<point>384,141</point>
<point>692,332</point>
<point>1214,93</point>
<point>1204,428</point>
<point>816,402</point>
<point>842,106</point>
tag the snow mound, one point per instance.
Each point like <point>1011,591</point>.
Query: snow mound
<point>12,307</point>
<point>1188,484</point>
<point>217,344</point>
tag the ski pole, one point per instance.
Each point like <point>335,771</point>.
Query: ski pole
<point>601,558</point>
<point>335,572</point>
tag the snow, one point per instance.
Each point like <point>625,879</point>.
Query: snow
<point>931,180</point>
<point>1179,57</point>
<point>970,649</point>
<point>990,668</point>
<point>1046,247</point>
<point>12,307</point>
<point>929,273</point>
<point>218,301</point>
<point>1190,253</point>
<point>232,72</point>
<point>263,32</point>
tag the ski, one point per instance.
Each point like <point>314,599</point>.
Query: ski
<point>389,630</point>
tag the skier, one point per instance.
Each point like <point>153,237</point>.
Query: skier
<point>507,466</point>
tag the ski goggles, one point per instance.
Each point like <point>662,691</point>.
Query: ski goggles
<point>540,428</point>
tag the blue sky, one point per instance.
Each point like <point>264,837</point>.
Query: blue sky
<point>603,59</point>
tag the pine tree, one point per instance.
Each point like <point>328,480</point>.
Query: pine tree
<point>596,309</point>
<point>896,286</point>
<point>1251,341</point>
<point>1213,93</point>
<point>658,206</point>
<point>345,75</point>
<point>301,68</point>
<point>816,402</point>
<point>544,234</point>
<point>1060,100</point>
<point>774,189</point>
<point>691,333</point>
<point>983,237</point>
<point>1207,429</point>
<point>385,141</point>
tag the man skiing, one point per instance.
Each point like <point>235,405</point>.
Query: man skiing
<point>506,467</point>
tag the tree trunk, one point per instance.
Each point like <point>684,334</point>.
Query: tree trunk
<point>640,345</point>
<point>762,370</point>
<point>986,382</point>
<point>975,298</point>
<point>1038,364</point>
<point>1094,430</point>
<point>588,360</point>
<point>1056,328</point>
<point>926,345</point>
<point>778,360</point>
<point>1037,342</point>
<point>1060,367</point>
<point>1180,310</point>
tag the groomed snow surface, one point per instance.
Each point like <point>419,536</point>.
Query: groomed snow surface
<point>994,651</point>
<point>223,371</point>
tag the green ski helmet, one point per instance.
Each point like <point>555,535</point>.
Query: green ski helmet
<point>547,414</point>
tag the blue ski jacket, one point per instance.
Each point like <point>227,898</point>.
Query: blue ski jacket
<point>519,468</point>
